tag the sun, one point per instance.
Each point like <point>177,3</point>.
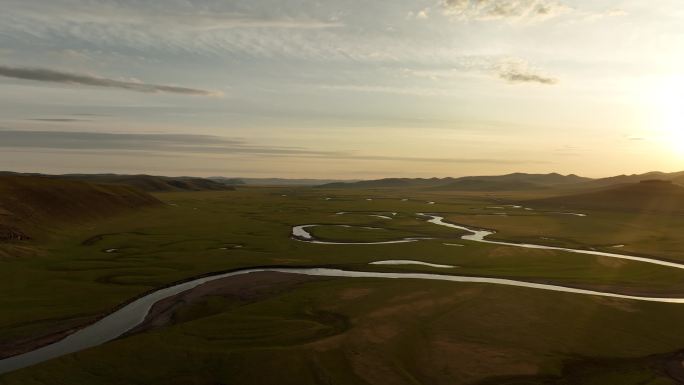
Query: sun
<point>668,113</point>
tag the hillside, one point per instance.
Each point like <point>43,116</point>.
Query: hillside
<point>648,195</point>
<point>515,181</point>
<point>390,182</point>
<point>489,185</point>
<point>676,177</point>
<point>512,182</point>
<point>31,203</point>
<point>274,181</point>
<point>149,183</point>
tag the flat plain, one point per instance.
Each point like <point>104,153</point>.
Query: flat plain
<point>287,328</point>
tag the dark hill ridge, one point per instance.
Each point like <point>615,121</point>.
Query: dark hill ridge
<point>489,185</point>
<point>150,183</point>
<point>512,182</point>
<point>275,181</point>
<point>390,182</point>
<point>515,181</point>
<point>31,203</point>
<point>677,177</point>
<point>647,195</point>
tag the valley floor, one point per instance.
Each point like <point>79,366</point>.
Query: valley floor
<point>288,328</point>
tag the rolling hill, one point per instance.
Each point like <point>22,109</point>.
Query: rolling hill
<point>508,182</point>
<point>29,204</point>
<point>149,183</point>
<point>389,183</point>
<point>489,185</point>
<point>647,195</point>
<point>676,177</point>
<point>274,181</point>
<point>512,182</point>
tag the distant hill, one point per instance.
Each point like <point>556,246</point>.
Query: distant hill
<point>489,185</point>
<point>647,195</point>
<point>149,183</point>
<point>677,177</point>
<point>508,182</point>
<point>31,203</point>
<point>227,181</point>
<point>274,181</point>
<point>512,182</point>
<point>390,182</point>
<point>152,183</point>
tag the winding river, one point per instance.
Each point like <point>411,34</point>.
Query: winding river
<point>300,233</point>
<point>481,235</point>
<point>131,315</point>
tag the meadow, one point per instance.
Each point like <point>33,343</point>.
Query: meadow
<point>350,330</point>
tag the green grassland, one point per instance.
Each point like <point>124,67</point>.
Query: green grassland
<point>373,331</point>
<point>353,330</point>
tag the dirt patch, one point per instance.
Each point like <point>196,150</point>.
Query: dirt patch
<point>410,297</point>
<point>611,262</point>
<point>675,367</point>
<point>446,361</point>
<point>508,251</point>
<point>15,346</point>
<point>8,233</point>
<point>617,303</point>
<point>238,290</point>
<point>354,293</point>
<point>18,251</point>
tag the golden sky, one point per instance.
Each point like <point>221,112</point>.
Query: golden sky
<point>344,89</point>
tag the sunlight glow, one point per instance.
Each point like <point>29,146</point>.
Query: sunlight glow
<point>668,99</point>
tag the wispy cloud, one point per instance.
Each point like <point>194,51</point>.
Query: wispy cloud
<point>521,72</point>
<point>195,15</point>
<point>52,76</point>
<point>155,144</point>
<point>58,120</point>
<point>182,143</point>
<point>422,14</point>
<point>510,69</point>
<point>504,9</point>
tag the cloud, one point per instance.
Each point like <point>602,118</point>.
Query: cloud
<point>52,76</point>
<point>423,14</point>
<point>637,138</point>
<point>510,69</point>
<point>58,120</point>
<point>388,89</point>
<point>610,13</point>
<point>186,144</point>
<point>520,72</point>
<point>503,9</point>
<point>516,76</point>
<point>193,15</point>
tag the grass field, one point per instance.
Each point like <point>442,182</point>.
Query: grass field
<point>353,330</point>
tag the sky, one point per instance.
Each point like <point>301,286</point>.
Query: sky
<point>349,89</point>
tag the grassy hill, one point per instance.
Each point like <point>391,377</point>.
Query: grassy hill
<point>30,204</point>
<point>512,182</point>
<point>489,185</point>
<point>676,177</point>
<point>508,182</point>
<point>275,181</point>
<point>390,183</point>
<point>647,195</point>
<point>150,183</point>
